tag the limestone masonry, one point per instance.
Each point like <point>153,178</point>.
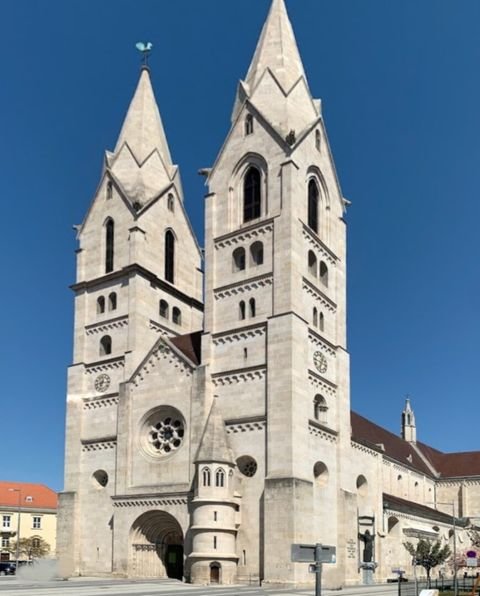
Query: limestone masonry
<point>208,418</point>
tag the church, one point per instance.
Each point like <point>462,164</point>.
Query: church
<point>208,405</point>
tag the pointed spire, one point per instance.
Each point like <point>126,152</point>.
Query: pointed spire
<point>142,129</point>
<point>409,429</point>
<point>277,50</point>
<point>214,444</point>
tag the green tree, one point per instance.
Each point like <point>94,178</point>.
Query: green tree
<point>30,548</point>
<point>428,555</point>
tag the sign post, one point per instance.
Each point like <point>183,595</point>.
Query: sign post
<point>317,554</point>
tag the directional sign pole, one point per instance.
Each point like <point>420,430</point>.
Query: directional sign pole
<point>318,573</point>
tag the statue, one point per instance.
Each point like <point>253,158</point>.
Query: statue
<point>367,539</point>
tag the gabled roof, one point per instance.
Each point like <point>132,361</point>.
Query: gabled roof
<point>446,465</point>
<point>214,445</point>
<point>277,51</point>
<point>32,496</point>
<point>370,434</point>
<point>452,465</point>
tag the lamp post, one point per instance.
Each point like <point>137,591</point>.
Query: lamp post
<point>19,491</point>
<point>452,505</point>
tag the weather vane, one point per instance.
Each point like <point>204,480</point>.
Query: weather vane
<point>145,49</point>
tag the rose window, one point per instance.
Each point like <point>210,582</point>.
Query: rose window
<point>162,431</point>
<point>166,435</point>
<point>247,466</point>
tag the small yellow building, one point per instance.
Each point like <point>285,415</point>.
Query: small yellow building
<point>36,505</point>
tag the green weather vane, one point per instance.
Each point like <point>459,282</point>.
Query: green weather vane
<point>145,49</point>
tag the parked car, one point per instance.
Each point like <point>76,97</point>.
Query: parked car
<point>7,568</point>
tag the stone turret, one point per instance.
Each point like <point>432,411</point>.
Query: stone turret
<point>213,558</point>
<point>409,428</point>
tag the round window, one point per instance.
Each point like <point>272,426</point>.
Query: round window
<point>247,466</point>
<point>162,431</point>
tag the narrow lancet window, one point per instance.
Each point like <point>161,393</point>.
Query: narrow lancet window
<point>109,245</point>
<point>248,125</point>
<point>252,199</point>
<point>241,311</point>
<point>256,253</point>
<point>164,309</point>
<point>177,316</point>
<point>313,196</point>
<point>112,301</point>
<point>253,308</point>
<point>312,263</point>
<point>206,477</point>
<point>220,478</point>
<point>100,305</point>
<point>170,257</point>
<point>238,259</point>
<point>324,274</point>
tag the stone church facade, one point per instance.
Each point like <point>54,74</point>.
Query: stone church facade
<point>208,414</point>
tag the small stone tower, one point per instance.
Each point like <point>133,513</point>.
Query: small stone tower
<point>409,429</point>
<point>213,558</point>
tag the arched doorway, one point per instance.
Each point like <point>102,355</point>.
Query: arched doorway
<point>215,573</point>
<point>156,544</point>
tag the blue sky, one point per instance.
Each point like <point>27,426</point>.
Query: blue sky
<point>400,86</point>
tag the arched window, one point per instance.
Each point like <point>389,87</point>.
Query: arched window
<point>324,273</point>
<point>105,345</point>
<point>112,301</point>
<point>315,316</point>
<point>164,309</point>
<point>109,189</point>
<point>312,263</point>
<point>109,245</point>
<point>220,478</point>
<point>252,196</point>
<point>256,253</point>
<point>321,322</point>
<point>206,477</point>
<point>171,202</point>
<point>241,311</point>
<point>253,307</point>
<point>177,316</point>
<point>170,256</point>
<point>248,125</point>
<point>318,140</point>
<point>313,196</point>
<point>321,409</point>
<point>238,256</point>
<point>100,305</point>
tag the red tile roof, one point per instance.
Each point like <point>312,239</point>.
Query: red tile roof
<point>446,465</point>
<point>42,496</point>
<point>370,434</point>
<point>190,345</point>
<point>452,465</point>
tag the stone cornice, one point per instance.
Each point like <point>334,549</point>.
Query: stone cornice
<point>107,325</point>
<point>243,286</point>
<point>319,430</point>
<point>135,269</point>
<point>321,383</point>
<point>103,401</point>
<point>149,500</point>
<point>103,444</point>
<point>257,423</point>
<point>104,365</point>
<point>241,375</point>
<point>318,295</point>
<point>322,343</point>
<point>249,233</point>
<point>240,333</point>
<point>315,241</point>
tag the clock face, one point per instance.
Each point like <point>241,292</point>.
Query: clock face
<point>102,383</point>
<point>320,362</point>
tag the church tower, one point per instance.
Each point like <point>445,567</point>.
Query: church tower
<point>409,428</point>
<point>275,318</point>
<point>138,278</point>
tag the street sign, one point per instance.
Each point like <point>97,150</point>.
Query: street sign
<point>305,553</point>
<point>472,562</point>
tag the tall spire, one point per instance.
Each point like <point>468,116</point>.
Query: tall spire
<point>141,161</point>
<point>142,129</point>
<point>276,84</point>
<point>276,50</point>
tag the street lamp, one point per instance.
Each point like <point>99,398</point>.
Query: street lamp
<point>19,491</point>
<point>452,505</point>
